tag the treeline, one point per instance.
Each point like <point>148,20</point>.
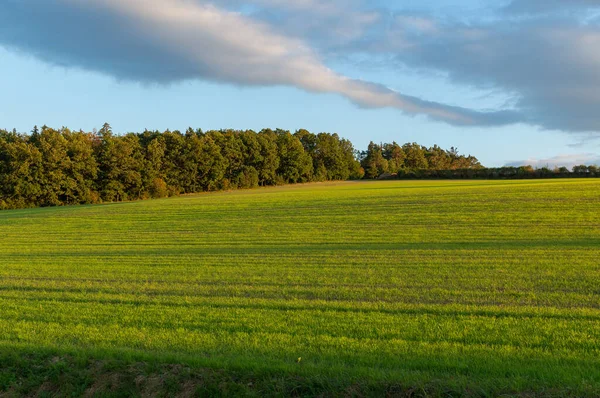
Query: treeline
<point>59,167</point>
<point>385,160</point>
<point>51,167</point>
<point>413,161</point>
<point>503,173</point>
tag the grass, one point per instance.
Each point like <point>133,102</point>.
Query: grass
<point>428,288</point>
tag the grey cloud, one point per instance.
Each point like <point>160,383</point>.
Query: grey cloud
<point>327,24</point>
<point>172,40</point>
<point>549,67</point>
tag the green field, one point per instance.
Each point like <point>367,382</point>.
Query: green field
<point>429,287</point>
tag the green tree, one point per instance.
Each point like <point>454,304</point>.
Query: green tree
<point>57,183</point>
<point>415,157</point>
<point>83,169</point>
<point>153,173</point>
<point>439,159</point>
<point>20,172</point>
<point>269,163</point>
<point>373,163</point>
<point>234,150</point>
<point>121,161</point>
<point>395,156</point>
<point>295,165</point>
<point>212,166</point>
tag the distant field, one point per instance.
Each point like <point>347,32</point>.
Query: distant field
<point>429,287</point>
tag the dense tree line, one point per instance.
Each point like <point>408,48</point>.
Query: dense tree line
<point>412,158</point>
<point>51,167</point>
<point>55,167</point>
<point>413,161</point>
<point>505,173</point>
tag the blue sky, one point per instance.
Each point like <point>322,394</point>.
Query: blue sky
<point>510,82</point>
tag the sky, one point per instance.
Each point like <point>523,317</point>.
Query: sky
<point>511,82</point>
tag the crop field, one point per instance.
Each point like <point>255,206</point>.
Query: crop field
<point>357,288</point>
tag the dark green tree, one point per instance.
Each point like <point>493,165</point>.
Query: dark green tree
<point>395,156</point>
<point>295,165</point>
<point>373,161</point>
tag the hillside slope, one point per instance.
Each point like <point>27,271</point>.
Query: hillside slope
<point>472,287</point>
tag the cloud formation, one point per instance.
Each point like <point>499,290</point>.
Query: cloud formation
<point>545,6</point>
<point>544,60</point>
<point>172,40</point>
<point>567,161</point>
<point>551,70</point>
<point>325,23</point>
<point>546,65</point>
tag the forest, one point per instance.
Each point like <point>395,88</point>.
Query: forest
<point>412,161</point>
<point>50,167</point>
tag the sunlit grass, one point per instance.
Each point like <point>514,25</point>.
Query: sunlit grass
<point>492,285</point>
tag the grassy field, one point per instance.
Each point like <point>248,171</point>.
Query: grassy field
<point>367,288</point>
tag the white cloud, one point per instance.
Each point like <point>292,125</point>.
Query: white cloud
<point>170,40</point>
<point>567,161</point>
<point>325,22</point>
<point>549,67</point>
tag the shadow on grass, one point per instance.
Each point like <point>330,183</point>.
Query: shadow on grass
<point>47,374</point>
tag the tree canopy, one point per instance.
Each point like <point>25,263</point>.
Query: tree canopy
<point>50,167</point>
